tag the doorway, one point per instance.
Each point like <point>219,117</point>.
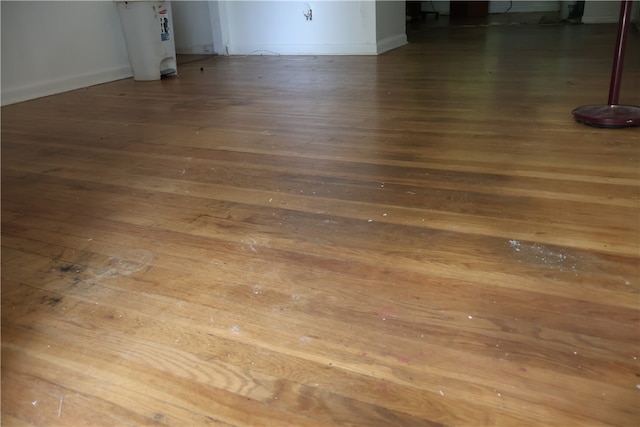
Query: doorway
<point>468,9</point>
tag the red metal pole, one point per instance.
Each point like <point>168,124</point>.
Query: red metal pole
<point>613,115</point>
<point>618,59</point>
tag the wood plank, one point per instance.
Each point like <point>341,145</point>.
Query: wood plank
<point>424,237</point>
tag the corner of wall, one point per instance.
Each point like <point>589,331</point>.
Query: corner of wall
<point>218,15</point>
<point>54,86</point>
<point>601,12</point>
<point>391,42</point>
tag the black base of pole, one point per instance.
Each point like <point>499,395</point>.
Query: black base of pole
<point>613,115</point>
<point>608,116</point>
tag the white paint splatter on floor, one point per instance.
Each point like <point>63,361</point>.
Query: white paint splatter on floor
<point>124,264</point>
<point>541,254</point>
<point>304,340</point>
<point>253,244</point>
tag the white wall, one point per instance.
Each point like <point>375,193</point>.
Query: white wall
<point>345,27</point>
<point>391,25</point>
<point>192,27</point>
<point>52,47</point>
<point>280,27</point>
<point>600,12</point>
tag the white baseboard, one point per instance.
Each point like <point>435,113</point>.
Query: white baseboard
<point>311,49</point>
<point>600,19</point>
<point>392,42</point>
<point>383,45</point>
<point>13,95</point>
<point>203,49</point>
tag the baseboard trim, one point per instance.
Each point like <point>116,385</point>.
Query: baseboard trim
<point>382,46</point>
<point>390,43</point>
<point>52,87</point>
<point>600,19</point>
<point>311,49</point>
<point>203,49</point>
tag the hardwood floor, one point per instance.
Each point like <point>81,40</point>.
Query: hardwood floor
<point>421,238</point>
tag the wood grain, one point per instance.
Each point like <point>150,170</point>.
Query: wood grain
<point>425,237</point>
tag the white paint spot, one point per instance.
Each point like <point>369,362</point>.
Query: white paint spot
<point>60,407</point>
<point>369,220</point>
<point>550,258</point>
<point>257,290</point>
<point>34,403</point>
<point>385,214</point>
<point>441,393</point>
<point>470,317</point>
<point>125,264</point>
<point>304,340</point>
<point>235,329</point>
<point>251,243</point>
<point>638,386</point>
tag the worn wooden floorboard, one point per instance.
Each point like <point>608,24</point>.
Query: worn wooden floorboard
<point>424,237</point>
